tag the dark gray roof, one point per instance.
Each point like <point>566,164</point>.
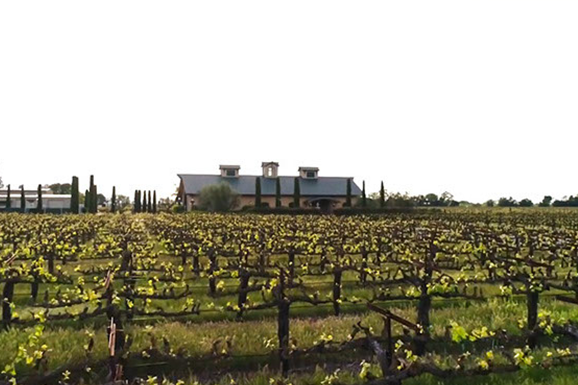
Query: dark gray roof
<point>245,185</point>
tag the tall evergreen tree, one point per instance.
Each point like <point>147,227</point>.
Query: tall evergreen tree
<point>258,192</point>
<point>149,203</point>
<point>22,200</point>
<point>144,202</point>
<point>138,201</point>
<point>296,193</point>
<point>348,193</point>
<point>93,199</point>
<point>113,200</point>
<point>87,204</point>
<point>278,202</point>
<point>135,204</point>
<point>382,196</point>
<point>39,207</point>
<point>9,198</point>
<point>154,201</point>
<point>75,197</point>
<point>363,196</point>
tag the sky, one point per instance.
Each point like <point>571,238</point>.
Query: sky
<point>478,98</point>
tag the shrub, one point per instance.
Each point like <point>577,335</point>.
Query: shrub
<point>218,197</point>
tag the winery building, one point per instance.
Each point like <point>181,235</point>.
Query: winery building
<point>315,191</point>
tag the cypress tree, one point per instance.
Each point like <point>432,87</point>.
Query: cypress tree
<point>144,202</point>
<point>22,200</point>
<point>154,201</point>
<point>74,198</point>
<point>138,201</point>
<point>39,204</point>
<point>8,198</point>
<point>296,193</point>
<point>92,196</point>
<point>86,201</point>
<point>348,193</point>
<point>382,196</point>
<point>93,199</point>
<point>113,200</point>
<point>258,192</point>
<point>278,193</point>
<point>150,203</point>
<point>135,205</point>
<point>363,196</point>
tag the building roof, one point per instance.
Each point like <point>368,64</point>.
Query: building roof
<point>245,185</point>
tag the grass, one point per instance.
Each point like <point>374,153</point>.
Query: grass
<point>257,337</point>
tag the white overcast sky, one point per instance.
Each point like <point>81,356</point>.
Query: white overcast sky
<point>479,98</point>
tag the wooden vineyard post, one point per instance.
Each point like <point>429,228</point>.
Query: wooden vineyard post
<point>196,264</point>
<point>50,258</point>
<point>212,268</point>
<point>116,340</point>
<point>244,276</point>
<point>7,298</point>
<point>337,274</point>
<point>387,358</point>
<point>532,298</point>
<point>291,257</point>
<point>363,274</point>
<point>283,325</point>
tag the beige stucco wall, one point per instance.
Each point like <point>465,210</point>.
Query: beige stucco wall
<point>247,200</point>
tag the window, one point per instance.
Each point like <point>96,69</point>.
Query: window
<point>230,172</point>
<point>311,174</point>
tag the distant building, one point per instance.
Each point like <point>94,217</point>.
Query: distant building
<point>55,203</point>
<point>316,191</point>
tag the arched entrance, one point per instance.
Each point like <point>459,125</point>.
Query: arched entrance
<point>325,204</point>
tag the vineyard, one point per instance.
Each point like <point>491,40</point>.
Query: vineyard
<point>426,297</point>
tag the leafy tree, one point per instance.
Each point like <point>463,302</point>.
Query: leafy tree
<point>74,198</point>
<point>382,195</point>
<point>257,192</point>
<point>546,202</point>
<point>122,202</point>
<point>39,207</point>
<point>61,188</point>
<point>296,193</point>
<point>432,199</point>
<point>278,202</point>
<point>572,201</point>
<point>398,200</point>
<point>490,203</point>
<point>446,197</point>
<point>218,198</point>
<point>507,202</point>
<point>526,203</point>
<point>165,204</point>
